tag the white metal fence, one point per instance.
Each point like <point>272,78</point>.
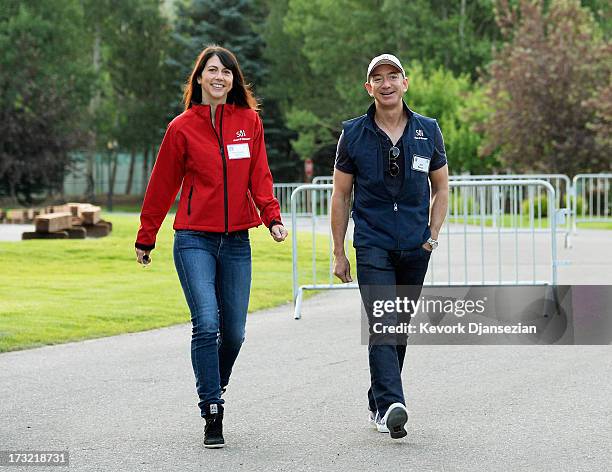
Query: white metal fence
<point>592,198</point>
<point>473,251</point>
<point>462,195</point>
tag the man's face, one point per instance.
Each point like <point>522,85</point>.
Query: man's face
<point>386,85</point>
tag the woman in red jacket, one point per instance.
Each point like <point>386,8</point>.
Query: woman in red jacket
<point>215,149</point>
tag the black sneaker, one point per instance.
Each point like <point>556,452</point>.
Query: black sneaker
<point>213,431</point>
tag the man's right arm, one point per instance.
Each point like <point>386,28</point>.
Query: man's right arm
<point>340,206</point>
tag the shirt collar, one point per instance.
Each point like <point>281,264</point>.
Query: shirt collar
<point>372,110</point>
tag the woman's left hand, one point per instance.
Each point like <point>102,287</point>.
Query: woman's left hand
<point>279,233</point>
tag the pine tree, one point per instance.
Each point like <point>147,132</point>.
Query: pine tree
<point>232,24</point>
<point>227,23</point>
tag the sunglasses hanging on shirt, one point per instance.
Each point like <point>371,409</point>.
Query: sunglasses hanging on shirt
<point>394,169</point>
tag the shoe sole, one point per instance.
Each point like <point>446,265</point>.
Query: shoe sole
<point>395,423</point>
<point>214,446</point>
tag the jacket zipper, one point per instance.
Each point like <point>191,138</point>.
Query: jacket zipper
<point>396,228</point>
<point>189,201</point>
<point>222,151</point>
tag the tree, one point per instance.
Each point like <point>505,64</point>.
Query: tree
<point>455,35</point>
<point>329,52</point>
<point>458,105</point>
<point>228,23</point>
<point>326,51</point>
<point>45,84</point>
<point>138,42</point>
<point>236,25</point>
<point>542,85</point>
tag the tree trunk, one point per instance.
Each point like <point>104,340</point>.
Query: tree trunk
<point>12,192</point>
<point>128,186</point>
<point>93,106</point>
<point>145,170</point>
<point>113,171</point>
<point>89,174</point>
<point>112,174</point>
<point>462,26</point>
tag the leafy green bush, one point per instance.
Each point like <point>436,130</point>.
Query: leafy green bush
<point>456,200</point>
<point>542,200</point>
<point>540,206</point>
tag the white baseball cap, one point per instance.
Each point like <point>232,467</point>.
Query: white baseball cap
<point>385,59</point>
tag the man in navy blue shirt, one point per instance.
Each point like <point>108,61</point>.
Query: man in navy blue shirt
<point>389,157</point>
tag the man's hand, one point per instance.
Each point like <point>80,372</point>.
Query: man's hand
<point>342,268</point>
<point>279,233</point>
<point>427,247</point>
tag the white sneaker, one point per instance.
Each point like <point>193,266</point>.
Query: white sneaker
<point>394,421</point>
<point>372,417</point>
<point>380,425</point>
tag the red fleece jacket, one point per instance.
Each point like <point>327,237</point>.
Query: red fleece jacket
<point>223,170</point>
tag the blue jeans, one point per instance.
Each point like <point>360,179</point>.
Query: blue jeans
<point>379,272</point>
<point>215,273</point>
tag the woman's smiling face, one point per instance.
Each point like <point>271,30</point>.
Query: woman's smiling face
<point>216,81</point>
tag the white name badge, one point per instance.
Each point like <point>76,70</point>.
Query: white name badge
<point>238,151</point>
<point>420,163</point>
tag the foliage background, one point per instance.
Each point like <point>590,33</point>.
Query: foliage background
<point>517,85</point>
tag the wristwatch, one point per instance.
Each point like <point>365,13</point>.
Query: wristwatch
<point>433,243</point>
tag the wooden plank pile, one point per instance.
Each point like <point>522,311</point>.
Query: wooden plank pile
<point>69,221</point>
<point>21,215</point>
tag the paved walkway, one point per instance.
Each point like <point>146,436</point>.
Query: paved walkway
<point>297,402</point>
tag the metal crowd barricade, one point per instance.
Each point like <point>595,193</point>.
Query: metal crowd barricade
<point>319,193</point>
<point>563,191</point>
<point>592,199</point>
<point>282,192</point>
<point>560,182</point>
<point>473,251</point>
<point>323,179</point>
<point>492,240</point>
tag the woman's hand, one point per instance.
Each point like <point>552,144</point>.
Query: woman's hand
<point>143,257</point>
<point>279,233</point>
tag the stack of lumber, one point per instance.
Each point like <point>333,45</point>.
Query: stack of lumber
<point>20,215</point>
<point>51,226</point>
<point>72,220</point>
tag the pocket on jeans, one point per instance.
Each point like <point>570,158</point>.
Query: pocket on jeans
<point>243,235</point>
<point>425,252</point>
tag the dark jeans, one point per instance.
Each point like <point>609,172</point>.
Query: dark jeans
<point>215,273</point>
<point>378,273</point>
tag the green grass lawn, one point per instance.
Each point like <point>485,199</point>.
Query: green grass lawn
<point>55,291</point>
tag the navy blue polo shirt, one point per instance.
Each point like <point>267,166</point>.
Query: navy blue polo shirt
<point>390,212</point>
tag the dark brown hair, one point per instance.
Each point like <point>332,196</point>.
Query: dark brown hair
<point>240,94</point>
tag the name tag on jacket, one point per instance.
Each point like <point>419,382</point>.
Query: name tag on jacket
<point>420,163</point>
<point>238,151</point>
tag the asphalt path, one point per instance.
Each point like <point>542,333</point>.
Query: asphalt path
<point>297,402</point>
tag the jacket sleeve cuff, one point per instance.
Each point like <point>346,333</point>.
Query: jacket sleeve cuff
<point>275,222</point>
<point>144,247</point>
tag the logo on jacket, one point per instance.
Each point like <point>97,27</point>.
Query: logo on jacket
<point>241,136</point>
<point>419,134</point>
